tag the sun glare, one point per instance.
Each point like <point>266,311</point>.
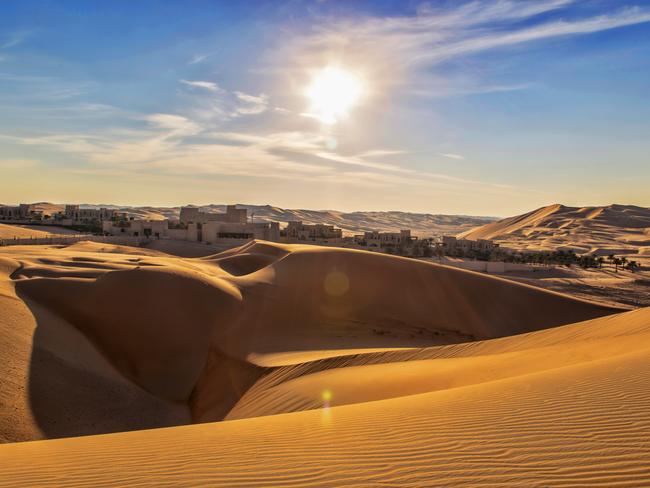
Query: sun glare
<point>332,93</point>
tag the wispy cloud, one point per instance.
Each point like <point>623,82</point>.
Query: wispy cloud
<point>206,85</point>
<point>251,104</point>
<point>222,104</point>
<point>452,156</point>
<point>357,160</point>
<point>162,146</point>
<point>13,39</point>
<point>380,153</point>
<point>407,50</point>
<point>176,124</point>
<point>43,89</point>
<point>198,58</point>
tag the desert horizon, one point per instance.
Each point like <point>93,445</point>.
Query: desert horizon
<point>321,243</point>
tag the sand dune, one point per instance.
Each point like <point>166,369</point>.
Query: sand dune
<point>327,366</point>
<point>372,376</point>
<point>19,232</point>
<point>167,331</point>
<point>581,421</point>
<point>621,288</point>
<point>613,228</point>
<point>421,224</point>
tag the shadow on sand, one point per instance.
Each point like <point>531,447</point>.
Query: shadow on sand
<point>74,390</point>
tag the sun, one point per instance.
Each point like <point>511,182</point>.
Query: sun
<point>332,93</point>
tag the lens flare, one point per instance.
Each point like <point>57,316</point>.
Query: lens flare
<point>336,283</point>
<point>327,395</point>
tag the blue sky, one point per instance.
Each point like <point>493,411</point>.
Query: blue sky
<point>480,107</point>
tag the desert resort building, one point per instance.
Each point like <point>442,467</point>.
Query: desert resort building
<point>79,215</point>
<point>26,213</point>
<point>386,239</point>
<point>229,228</point>
<point>198,226</point>
<point>453,245</point>
<point>299,231</point>
<point>17,212</point>
<point>219,228</point>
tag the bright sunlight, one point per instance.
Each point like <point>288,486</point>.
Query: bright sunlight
<point>332,93</point>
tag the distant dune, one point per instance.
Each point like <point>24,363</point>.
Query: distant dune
<point>612,228</point>
<point>15,231</point>
<point>421,224</point>
<point>329,367</point>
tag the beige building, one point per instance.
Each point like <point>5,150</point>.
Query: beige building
<point>297,231</point>
<point>87,215</point>
<point>198,226</point>
<point>17,212</point>
<point>452,245</point>
<point>233,215</point>
<point>137,228</point>
<point>214,231</point>
<point>387,239</point>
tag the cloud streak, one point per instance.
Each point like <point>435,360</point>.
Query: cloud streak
<point>13,40</point>
<point>162,146</point>
<point>251,104</point>
<point>206,85</point>
<point>198,58</point>
<point>453,156</point>
<point>405,50</point>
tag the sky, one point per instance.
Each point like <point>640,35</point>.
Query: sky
<point>458,107</point>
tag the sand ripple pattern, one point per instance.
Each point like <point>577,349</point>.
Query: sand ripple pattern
<point>587,425</point>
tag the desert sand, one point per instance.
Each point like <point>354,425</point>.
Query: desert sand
<point>19,232</point>
<point>296,365</point>
<point>618,229</point>
<point>622,288</point>
<point>10,231</point>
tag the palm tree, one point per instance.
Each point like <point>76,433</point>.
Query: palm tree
<point>600,260</point>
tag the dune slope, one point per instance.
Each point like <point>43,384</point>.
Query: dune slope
<point>615,228</point>
<point>578,421</point>
<point>174,341</point>
<point>16,231</point>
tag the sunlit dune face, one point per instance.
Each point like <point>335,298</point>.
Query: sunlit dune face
<point>332,93</point>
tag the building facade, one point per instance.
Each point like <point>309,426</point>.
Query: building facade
<point>87,215</point>
<point>233,215</point>
<point>17,212</point>
<point>453,245</point>
<point>197,226</point>
<point>387,239</point>
<point>297,231</point>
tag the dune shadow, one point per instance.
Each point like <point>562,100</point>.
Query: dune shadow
<point>244,264</point>
<point>73,390</point>
<point>130,350</point>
